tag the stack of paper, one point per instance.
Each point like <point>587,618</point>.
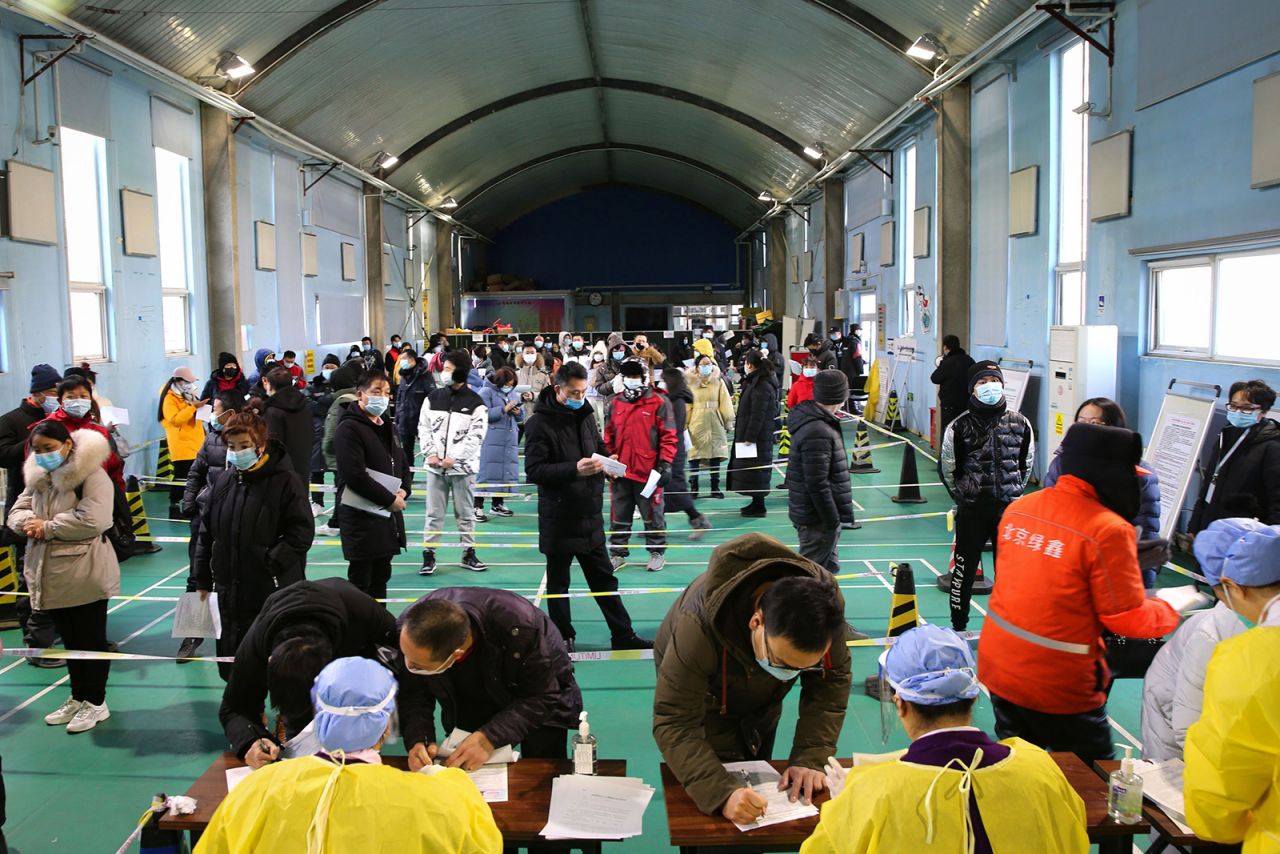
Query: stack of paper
<point>589,807</point>
<point>763,780</point>
<point>1162,785</point>
<point>197,618</point>
<point>388,481</point>
<point>491,780</point>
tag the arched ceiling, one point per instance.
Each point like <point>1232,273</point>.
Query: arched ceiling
<point>531,100</point>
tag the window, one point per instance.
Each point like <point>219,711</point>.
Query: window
<point>1219,306</point>
<point>173,211</point>
<point>907,261</point>
<point>1073,176</point>
<point>83,202</point>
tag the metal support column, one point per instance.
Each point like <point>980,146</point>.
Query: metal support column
<point>442,279</point>
<point>218,148</point>
<point>778,264</point>
<point>833,240</point>
<point>951,314</point>
<point>375,299</point>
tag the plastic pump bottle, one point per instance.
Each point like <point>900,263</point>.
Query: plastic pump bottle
<point>1125,803</point>
<point>584,748</point>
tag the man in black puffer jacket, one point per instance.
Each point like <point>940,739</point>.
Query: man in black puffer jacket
<point>988,454</point>
<point>308,625</point>
<point>952,379</point>
<point>559,440</point>
<point>289,421</point>
<point>819,497</point>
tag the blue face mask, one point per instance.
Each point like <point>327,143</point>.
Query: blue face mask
<point>632,383</point>
<point>506,389</point>
<point>705,370</point>
<point>49,461</point>
<point>618,357</point>
<point>810,372</point>
<point>782,674</point>
<point>764,351</point>
<point>215,425</point>
<point>708,336</point>
<point>77,408</point>
<point>375,405</point>
<point>989,393</point>
<point>834,337</point>
<point>1243,420</point>
<point>244,459</point>
<point>574,402</point>
<point>49,405</point>
<point>327,373</point>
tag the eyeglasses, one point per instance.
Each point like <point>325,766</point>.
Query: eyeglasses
<point>1245,408</point>
<point>1095,421</point>
<point>768,654</point>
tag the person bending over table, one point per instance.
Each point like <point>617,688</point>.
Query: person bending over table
<point>954,788</point>
<point>498,668</point>
<point>299,630</point>
<point>729,651</point>
<point>323,803</point>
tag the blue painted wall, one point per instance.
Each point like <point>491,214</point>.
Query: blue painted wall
<point>616,236</point>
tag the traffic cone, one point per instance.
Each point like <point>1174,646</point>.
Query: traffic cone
<point>909,482</point>
<point>982,585</point>
<point>784,441</point>
<point>904,614</point>
<point>892,417</point>
<point>138,518</point>
<point>861,461</point>
<point>164,466</point>
<point>8,587</point>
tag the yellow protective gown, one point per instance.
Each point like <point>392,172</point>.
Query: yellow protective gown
<point>889,808</point>
<point>1232,778</point>
<point>370,808</point>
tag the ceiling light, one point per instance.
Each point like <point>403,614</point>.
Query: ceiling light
<point>813,152</point>
<point>385,160</point>
<point>765,196</point>
<point>928,47</point>
<point>449,203</point>
<point>233,66</point>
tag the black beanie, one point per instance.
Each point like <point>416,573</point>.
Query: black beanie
<point>44,377</point>
<point>225,359</point>
<point>985,368</point>
<point>830,387</point>
<point>345,377</point>
<point>631,368</point>
<point>330,359</point>
<point>1106,458</point>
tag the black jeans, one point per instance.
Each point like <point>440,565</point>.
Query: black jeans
<point>598,571</point>
<point>181,468</point>
<point>317,479</point>
<point>976,524</point>
<point>84,627</point>
<point>370,576</point>
<point>1087,734</point>
<point>38,631</point>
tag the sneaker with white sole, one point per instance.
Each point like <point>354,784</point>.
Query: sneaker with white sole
<point>656,563</point>
<point>326,531</point>
<point>502,510</point>
<point>317,509</point>
<point>88,717</point>
<point>65,712</point>
<point>472,562</point>
<point>618,561</point>
<point>480,517</point>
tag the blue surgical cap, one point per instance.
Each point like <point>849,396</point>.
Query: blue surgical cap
<point>1215,542</point>
<point>1254,559</point>
<point>353,700</point>
<point>931,665</point>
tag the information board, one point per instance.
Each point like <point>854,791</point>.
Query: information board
<point>1174,449</point>
<point>1015,387</point>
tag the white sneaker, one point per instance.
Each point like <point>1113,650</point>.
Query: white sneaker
<point>64,714</point>
<point>656,563</point>
<point>326,531</point>
<point>88,717</point>
<point>317,509</point>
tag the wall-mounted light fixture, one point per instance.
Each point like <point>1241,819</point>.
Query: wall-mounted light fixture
<point>233,66</point>
<point>928,48</point>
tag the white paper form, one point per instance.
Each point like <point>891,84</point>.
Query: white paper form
<point>611,467</point>
<point>351,499</point>
<point>651,485</point>
<point>762,778</point>
<point>590,807</point>
<point>744,450</point>
<point>195,619</point>
<point>305,743</point>
<point>205,413</point>
<point>1162,785</point>
<point>114,415</point>
<point>501,755</point>
<point>236,775</point>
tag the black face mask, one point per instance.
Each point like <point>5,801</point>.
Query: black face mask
<point>230,372</point>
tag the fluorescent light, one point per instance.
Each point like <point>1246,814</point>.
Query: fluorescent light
<point>233,66</point>
<point>765,196</point>
<point>928,47</point>
<point>813,152</point>
<point>386,161</point>
<point>449,203</point>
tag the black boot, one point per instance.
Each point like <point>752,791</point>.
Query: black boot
<point>754,510</point>
<point>715,485</point>
<point>693,487</point>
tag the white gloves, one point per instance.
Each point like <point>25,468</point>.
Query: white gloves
<point>617,384</point>
<point>835,776</point>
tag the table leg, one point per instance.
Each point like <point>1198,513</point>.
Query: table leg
<point>1116,845</point>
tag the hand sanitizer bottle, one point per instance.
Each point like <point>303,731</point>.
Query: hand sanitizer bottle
<point>584,748</point>
<point>1125,803</point>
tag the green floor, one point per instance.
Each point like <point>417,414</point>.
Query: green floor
<point>164,730</point>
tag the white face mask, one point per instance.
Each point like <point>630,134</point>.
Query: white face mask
<point>530,358</point>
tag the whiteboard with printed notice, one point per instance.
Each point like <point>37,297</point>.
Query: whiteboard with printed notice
<point>1175,447</point>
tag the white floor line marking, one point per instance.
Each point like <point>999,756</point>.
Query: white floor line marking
<point>858,507</point>
<point>542,589</point>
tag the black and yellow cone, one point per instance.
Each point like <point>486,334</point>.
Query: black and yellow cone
<point>8,576</point>
<point>143,542</point>
<point>904,614</point>
<point>784,441</point>
<point>892,416</point>
<point>164,465</point>
<point>861,462</point>
<point>909,482</point>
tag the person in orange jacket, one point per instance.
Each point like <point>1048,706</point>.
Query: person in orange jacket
<point>1067,568</point>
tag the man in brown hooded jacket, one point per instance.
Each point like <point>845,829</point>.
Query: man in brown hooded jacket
<point>729,650</point>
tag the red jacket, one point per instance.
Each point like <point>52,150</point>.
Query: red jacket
<point>1066,568</point>
<point>801,390</point>
<point>641,432</point>
<point>298,379</point>
<point>114,466</point>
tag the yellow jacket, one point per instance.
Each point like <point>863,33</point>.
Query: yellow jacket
<point>1232,778</point>
<point>882,808</point>
<point>373,808</point>
<point>181,428</point>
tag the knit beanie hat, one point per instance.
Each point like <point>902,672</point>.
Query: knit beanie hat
<point>330,359</point>
<point>983,370</point>
<point>830,387</point>
<point>43,378</point>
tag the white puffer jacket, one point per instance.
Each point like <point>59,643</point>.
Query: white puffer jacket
<point>1173,691</point>
<point>73,564</point>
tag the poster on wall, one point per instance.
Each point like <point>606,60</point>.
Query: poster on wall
<point>523,312</point>
<point>880,327</point>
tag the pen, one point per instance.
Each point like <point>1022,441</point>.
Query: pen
<point>746,780</point>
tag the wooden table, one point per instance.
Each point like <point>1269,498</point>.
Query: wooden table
<point>519,819</point>
<point>692,831</point>
<point>1164,827</point>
